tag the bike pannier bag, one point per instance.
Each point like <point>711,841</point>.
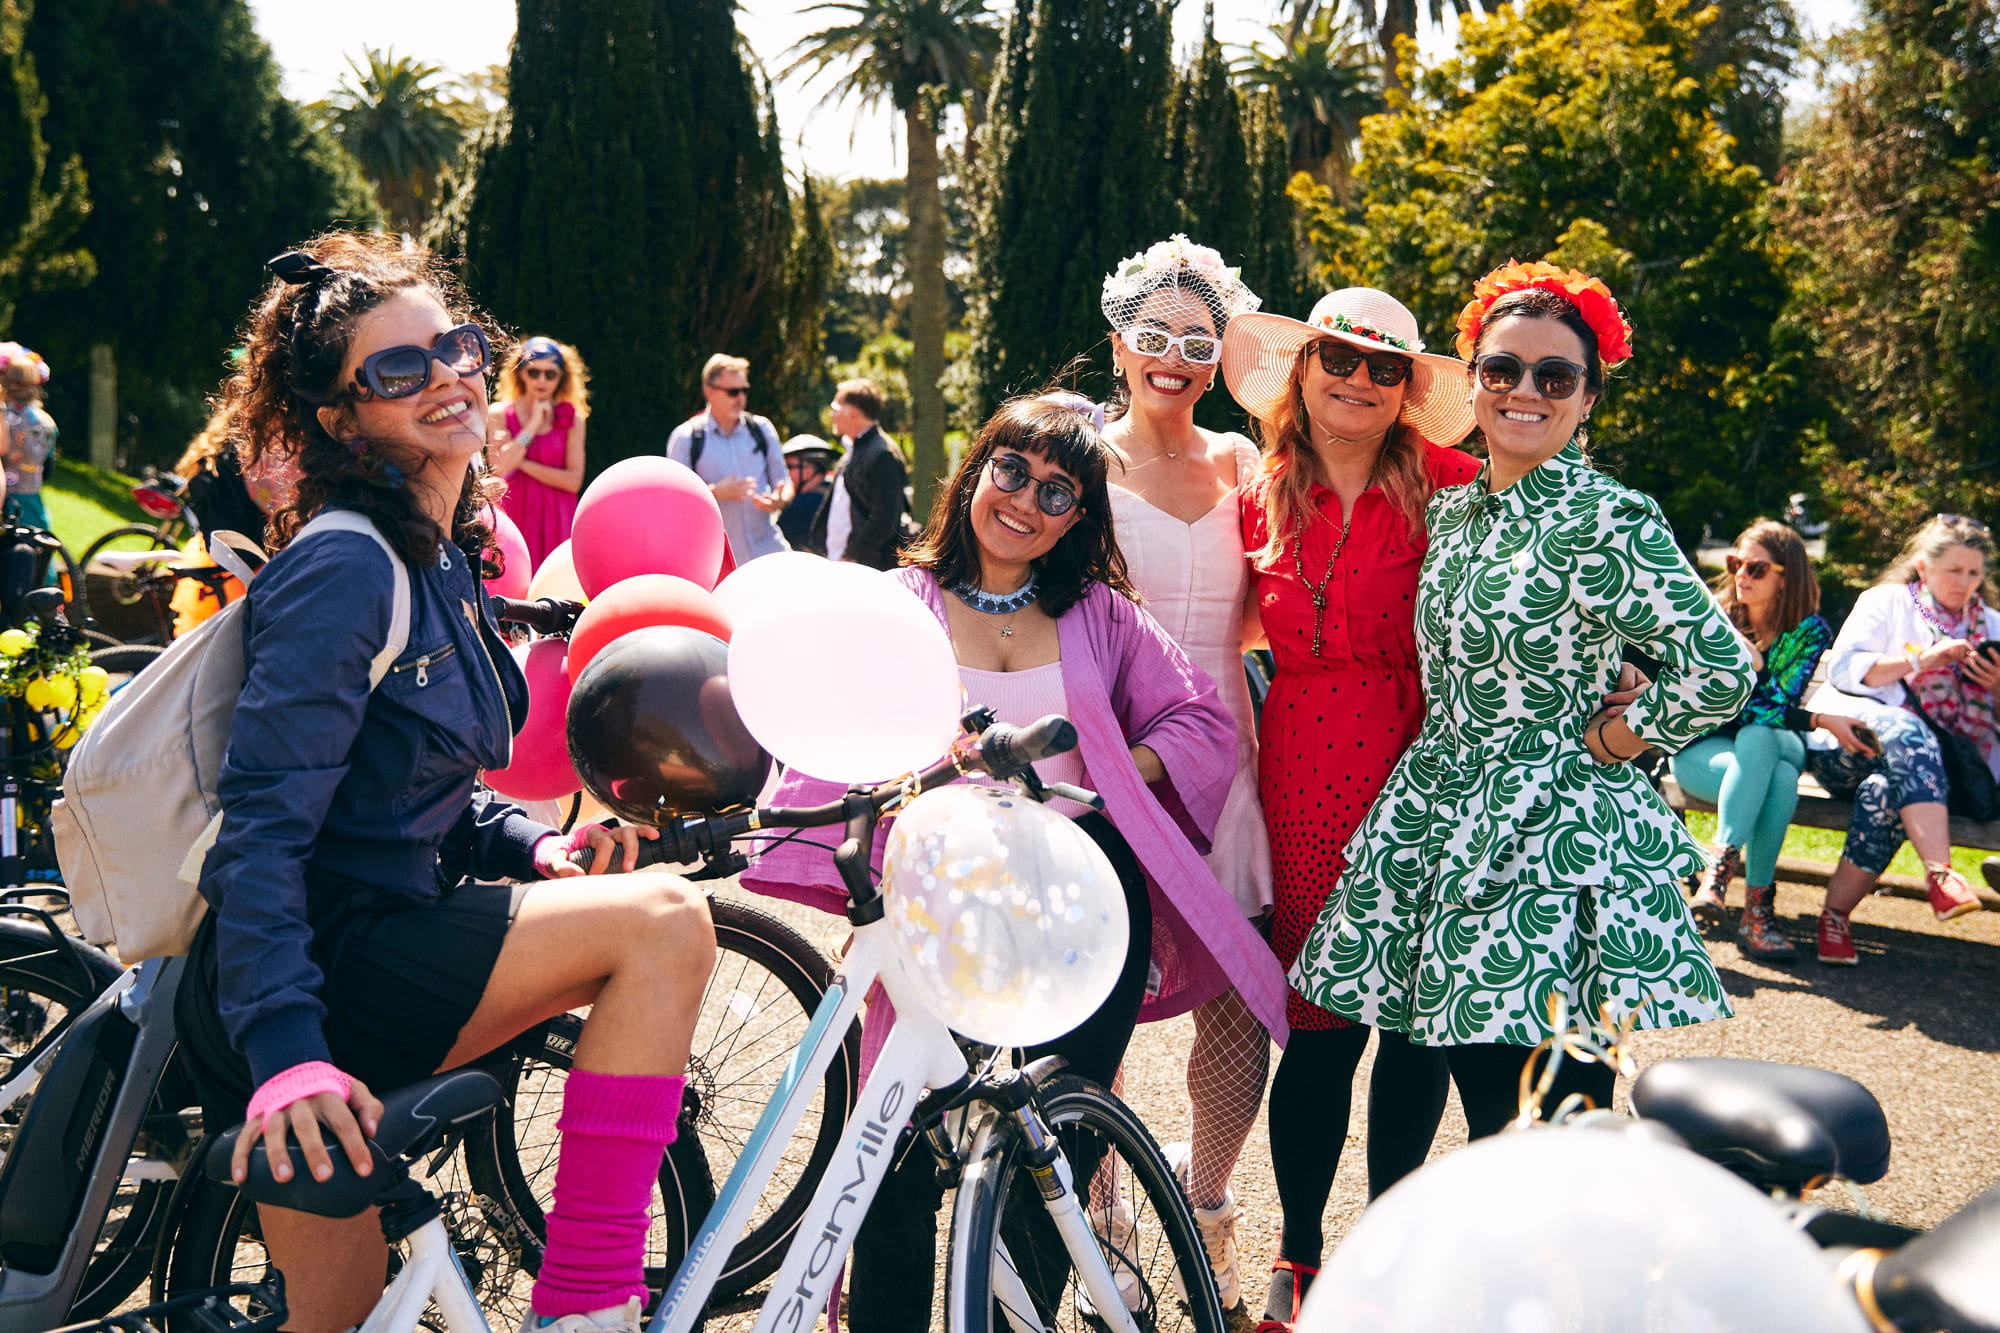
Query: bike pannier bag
<point>139,808</point>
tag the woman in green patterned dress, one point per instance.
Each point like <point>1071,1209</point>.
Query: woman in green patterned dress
<point>1515,857</point>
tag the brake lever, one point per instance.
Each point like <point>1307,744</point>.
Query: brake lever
<point>1077,794</point>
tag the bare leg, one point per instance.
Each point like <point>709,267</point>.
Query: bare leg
<point>638,948</point>
<point>1227,1066</point>
<point>1847,886</point>
<point>1928,824</point>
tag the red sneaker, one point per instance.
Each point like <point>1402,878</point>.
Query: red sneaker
<point>1836,940</point>
<point>1950,895</point>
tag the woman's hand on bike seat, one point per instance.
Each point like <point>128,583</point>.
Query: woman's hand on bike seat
<point>298,1102</point>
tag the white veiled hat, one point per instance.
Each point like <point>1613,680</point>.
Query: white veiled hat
<point>1260,348</point>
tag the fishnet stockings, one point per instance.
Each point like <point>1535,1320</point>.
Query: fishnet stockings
<point>1226,1070</point>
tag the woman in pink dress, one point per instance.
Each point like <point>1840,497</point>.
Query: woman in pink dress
<point>535,437</point>
<point>1174,494</point>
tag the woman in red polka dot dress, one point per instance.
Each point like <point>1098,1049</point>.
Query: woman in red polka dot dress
<point>1345,403</point>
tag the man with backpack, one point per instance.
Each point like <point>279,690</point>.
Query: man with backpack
<point>736,452</point>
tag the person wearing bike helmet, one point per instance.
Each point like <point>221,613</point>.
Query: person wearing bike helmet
<point>362,932</point>
<point>30,433</point>
<point>1516,857</point>
<point>1020,565</point>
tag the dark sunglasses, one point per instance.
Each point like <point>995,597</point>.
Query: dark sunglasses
<point>736,392</point>
<point>398,372</point>
<point>1754,569</point>
<point>541,372</point>
<point>1554,378</point>
<point>1053,498</point>
<point>1384,368</point>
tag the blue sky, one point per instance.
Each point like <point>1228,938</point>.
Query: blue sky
<point>832,140</point>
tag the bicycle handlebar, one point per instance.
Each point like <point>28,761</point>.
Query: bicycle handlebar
<point>545,615</point>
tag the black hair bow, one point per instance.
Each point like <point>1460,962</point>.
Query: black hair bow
<point>298,268</point>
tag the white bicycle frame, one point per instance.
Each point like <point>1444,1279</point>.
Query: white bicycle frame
<point>431,1274</point>
<point>920,1053</point>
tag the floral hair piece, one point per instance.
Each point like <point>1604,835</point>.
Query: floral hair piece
<point>12,352</point>
<point>1077,403</point>
<point>1592,299</point>
<point>1338,323</point>
<point>1162,266</point>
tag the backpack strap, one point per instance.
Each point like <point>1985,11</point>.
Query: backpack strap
<point>694,454</point>
<point>346,520</point>
<point>758,427</point>
<point>233,551</point>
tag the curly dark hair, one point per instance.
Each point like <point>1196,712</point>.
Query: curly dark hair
<point>297,340</point>
<point>1088,553</point>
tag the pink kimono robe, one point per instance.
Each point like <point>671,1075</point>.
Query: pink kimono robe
<point>1126,683</point>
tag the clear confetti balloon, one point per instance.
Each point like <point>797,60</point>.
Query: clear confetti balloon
<point>1008,919</point>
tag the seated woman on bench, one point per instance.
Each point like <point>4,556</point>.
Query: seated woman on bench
<point>1917,639</point>
<point>1750,768</point>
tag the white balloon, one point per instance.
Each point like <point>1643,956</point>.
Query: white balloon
<point>1575,1230</point>
<point>772,584</point>
<point>847,677</point>
<point>1009,920</point>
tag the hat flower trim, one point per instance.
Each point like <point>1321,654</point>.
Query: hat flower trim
<point>11,352</point>
<point>1339,323</point>
<point>1592,299</point>
<point>1177,251</point>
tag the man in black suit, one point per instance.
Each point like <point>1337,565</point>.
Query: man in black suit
<point>862,520</point>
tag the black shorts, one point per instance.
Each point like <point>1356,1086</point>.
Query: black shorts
<point>402,977</point>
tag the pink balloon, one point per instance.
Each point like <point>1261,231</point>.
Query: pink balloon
<point>540,770</point>
<point>516,565</point>
<point>646,516</point>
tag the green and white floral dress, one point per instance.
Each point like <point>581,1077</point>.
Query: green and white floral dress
<point>1502,865</point>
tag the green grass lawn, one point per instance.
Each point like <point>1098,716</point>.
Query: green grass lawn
<point>85,503</point>
<point>1818,844</point>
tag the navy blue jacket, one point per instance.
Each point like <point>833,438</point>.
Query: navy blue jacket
<point>378,787</point>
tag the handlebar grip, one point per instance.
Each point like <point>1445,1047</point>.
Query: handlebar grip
<point>548,615</point>
<point>1007,750</point>
<point>663,850</point>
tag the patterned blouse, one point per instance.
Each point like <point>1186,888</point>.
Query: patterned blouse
<point>1788,670</point>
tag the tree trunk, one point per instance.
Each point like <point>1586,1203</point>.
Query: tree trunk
<point>103,407</point>
<point>927,301</point>
<point>1398,20</point>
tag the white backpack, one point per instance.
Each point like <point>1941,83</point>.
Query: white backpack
<point>139,808</point>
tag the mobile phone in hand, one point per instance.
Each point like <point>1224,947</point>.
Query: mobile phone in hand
<point>1990,649</point>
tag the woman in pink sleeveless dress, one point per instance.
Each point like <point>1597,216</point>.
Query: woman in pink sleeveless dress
<point>1175,513</point>
<point>535,435</point>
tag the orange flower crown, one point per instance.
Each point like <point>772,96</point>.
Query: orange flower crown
<point>1592,299</point>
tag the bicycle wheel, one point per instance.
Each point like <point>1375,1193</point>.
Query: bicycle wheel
<point>768,980</point>
<point>132,607</point>
<point>126,660</point>
<point>1136,1209</point>
<point>42,990</point>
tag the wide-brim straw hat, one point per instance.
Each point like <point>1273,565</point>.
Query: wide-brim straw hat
<point>1259,350</point>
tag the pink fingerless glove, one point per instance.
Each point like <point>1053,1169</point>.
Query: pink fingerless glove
<point>554,847</point>
<point>295,1085</point>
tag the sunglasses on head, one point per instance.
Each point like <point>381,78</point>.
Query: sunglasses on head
<point>541,372</point>
<point>1554,378</point>
<point>1338,359</point>
<point>1751,569</point>
<point>398,372</point>
<point>1198,349</point>
<point>1054,498</point>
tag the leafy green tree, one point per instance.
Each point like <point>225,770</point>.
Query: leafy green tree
<point>1897,215</point>
<point>1591,134</point>
<point>1073,179</point>
<point>1325,79</point>
<point>402,120</point>
<point>915,55</point>
<point>1392,21</point>
<point>633,201</point>
<point>41,205</point>
<point>199,169</point>
<point>1271,258</point>
<point>1759,41</point>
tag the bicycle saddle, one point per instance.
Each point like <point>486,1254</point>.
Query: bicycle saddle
<point>415,1121</point>
<point>1778,1126</point>
<point>1950,1278</point>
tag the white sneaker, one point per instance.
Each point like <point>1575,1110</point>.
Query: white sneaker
<point>611,1319</point>
<point>1218,1232</point>
<point>1118,1234</point>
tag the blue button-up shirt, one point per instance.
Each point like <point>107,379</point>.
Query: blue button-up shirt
<point>724,454</point>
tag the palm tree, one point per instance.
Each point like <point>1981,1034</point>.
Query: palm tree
<point>915,55</point>
<point>1389,19</point>
<point>402,122</point>
<point>1324,75</point>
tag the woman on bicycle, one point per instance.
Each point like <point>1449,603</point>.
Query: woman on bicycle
<point>1918,640</point>
<point>537,432</point>
<point>1356,422</point>
<point>361,934</point>
<point>1749,768</point>
<point>1515,856</point>
<point>1019,564</point>
<point>1174,509</point>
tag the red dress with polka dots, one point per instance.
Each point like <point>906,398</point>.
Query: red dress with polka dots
<point>1336,721</point>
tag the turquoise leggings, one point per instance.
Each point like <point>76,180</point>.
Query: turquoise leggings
<point>1752,780</point>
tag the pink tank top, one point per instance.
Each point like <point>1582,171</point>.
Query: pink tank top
<point>1021,697</point>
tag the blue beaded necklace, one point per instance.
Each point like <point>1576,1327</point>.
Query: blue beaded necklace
<point>995,604</point>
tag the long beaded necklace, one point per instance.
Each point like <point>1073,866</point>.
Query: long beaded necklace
<point>1937,624</point>
<point>1318,590</point>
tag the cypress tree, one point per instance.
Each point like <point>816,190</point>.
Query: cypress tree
<point>40,208</point>
<point>632,201</point>
<point>1271,258</point>
<point>1077,176</point>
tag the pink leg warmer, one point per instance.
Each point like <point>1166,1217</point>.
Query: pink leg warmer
<point>615,1128</point>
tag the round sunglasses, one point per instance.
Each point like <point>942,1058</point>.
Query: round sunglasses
<point>1053,498</point>
<point>1750,569</point>
<point>1197,349</point>
<point>1554,378</point>
<point>1338,359</point>
<point>398,372</point>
